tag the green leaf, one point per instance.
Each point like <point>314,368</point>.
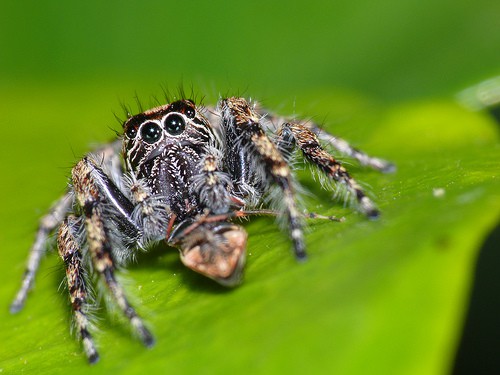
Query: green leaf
<point>384,296</point>
<point>381,297</point>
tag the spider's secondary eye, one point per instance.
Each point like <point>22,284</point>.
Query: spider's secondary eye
<point>131,132</point>
<point>190,112</point>
<point>174,124</point>
<point>151,132</point>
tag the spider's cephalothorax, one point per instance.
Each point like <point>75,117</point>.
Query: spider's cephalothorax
<point>187,171</point>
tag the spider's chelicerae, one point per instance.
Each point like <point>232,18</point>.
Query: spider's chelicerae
<point>187,171</point>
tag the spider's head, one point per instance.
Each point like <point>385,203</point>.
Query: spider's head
<point>216,250</point>
<point>149,134</point>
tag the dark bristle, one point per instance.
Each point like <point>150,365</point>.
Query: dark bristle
<point>166,93</point>
<point>118,118</point>
<point>127,112</point>
<point>181,92</point>
<point>138,103</point>
<point>117,133</point>
<point>155,102</point>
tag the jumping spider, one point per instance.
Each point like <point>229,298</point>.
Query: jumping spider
<point>186,172</point>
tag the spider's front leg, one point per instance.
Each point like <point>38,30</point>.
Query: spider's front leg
<point>254,151</point>
<point>98,195</point>
<point>68,244</point>
<point>292,134</point>
<point>211,185</point>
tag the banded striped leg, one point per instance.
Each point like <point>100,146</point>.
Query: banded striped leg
<point>339,144</point>
<point>245,124</point>
<point>88,180</point>
<point>312,150</point>
<point>47,224</point>
<point>70,252</point>
<point>345,148</point>
<point>212,185</point>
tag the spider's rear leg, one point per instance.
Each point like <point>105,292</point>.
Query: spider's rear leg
<point>312,150</point>
<point>254,146</point>
<point>93,191</point>
<point>68,243</point>
<point>337,143</point>
<point>364,159</point>
<point>47,224</point>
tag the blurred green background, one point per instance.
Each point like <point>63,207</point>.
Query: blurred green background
<point>389,49</point>
<point>382,74</point>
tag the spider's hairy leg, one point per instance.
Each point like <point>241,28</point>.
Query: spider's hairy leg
<point>339,144</point>
<point>68,244</point>
<point>108,156</point>
<point>151,213</point>
<point>91,185</point>
<point>243,121</point>
<point>364,159</point>
<point>212,185</point>
<point>47,224</point>
<point>308,143</point>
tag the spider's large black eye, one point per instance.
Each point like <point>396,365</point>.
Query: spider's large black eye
<point>174,124</point>
<point>151,132</point>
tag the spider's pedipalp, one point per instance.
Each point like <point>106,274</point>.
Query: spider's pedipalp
<point>211,184</point>
<point>214,249</point>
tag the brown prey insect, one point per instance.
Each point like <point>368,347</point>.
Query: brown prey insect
<point>186,171</point>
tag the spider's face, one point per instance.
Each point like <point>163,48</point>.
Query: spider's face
<point>153,133</point>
